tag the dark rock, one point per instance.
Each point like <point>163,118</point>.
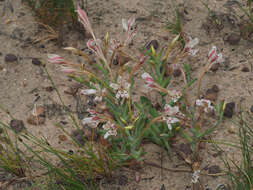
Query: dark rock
<point>251,109</point>
<point>215,67</point>
<point>233,39</point>
<point>36,120</point>
<point>177,72</point>
<point>153,43</point>
<point>10,58</point>
<point>215,88</point>
<point>212,93</point>
<point>78,135</point>
<point>49,88</point>
<point>185,148</point>
<point>36,61</point>
<point>1,53</point>
<point>17,125</point>
<point>245,69</point>
<point>229,110</point>
<point>214,169</point>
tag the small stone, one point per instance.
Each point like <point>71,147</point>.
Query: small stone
<point>215,67</point>
<point>229,110</point>
<point>245,69</point>
<point>214,169</point>
<point>10,58</point>
<point>212,93</point>
<point>36,61</point>
<point>153,43</point>
<point>185,148</point>
<point>62,137</point>
<point>232,129</point>
<point>177,72</point>
<point>233,39</point>
<point>78,135</point>
<point>251,109</point>
<point>215,88</point>
<point>121,59</point>
<point>17,125</point>
<point>49,88</point>
<point>39,111</point>
<point>36,120</point>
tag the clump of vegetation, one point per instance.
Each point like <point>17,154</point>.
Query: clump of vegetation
<point>53,12</point>
<point>122,120</point>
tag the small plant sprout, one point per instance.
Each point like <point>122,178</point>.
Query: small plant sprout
<point>213,58</point>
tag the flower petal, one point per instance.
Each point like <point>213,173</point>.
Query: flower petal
<point>114,86</point>
<point>88,91</point>
<point>53,58</point>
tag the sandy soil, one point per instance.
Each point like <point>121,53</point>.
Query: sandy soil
<point>24,84</point>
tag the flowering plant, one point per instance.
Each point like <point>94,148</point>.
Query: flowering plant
<point>122,121</point>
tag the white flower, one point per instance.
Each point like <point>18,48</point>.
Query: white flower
<point>121,88</point>
<point>195,176</point>
<point>89,91</point>
<point>206,104</point>
<point>213,57</point>
<point>111,129</point>
<point>98,91</point>
<point>172,111</point>
<point>93,120</point>
<point>170,120</point>
<point>190,45</point>
<point>175,95</point>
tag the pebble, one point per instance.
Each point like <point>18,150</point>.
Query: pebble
<point>10,58</point>
<point>214,169</point>
<point>33,120</point>
<point>215,67</point>
<point>245,69</point>
<point>62,137</point>
<point>17,125</point>
<point>212,93</point>
<point>233,39</point>
<point>232,129</point>
<point>153,43</point>
<point>229,110</point>
<point>36,61</point>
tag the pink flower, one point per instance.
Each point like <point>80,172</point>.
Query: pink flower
<point>129,28</point>
<point>190,45</point>
<point>213,57</point>
<point>53,58</point>
<point>83,18</point>
<point>68,70</point>
<point>150,82</point>
<point>95,47</point>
